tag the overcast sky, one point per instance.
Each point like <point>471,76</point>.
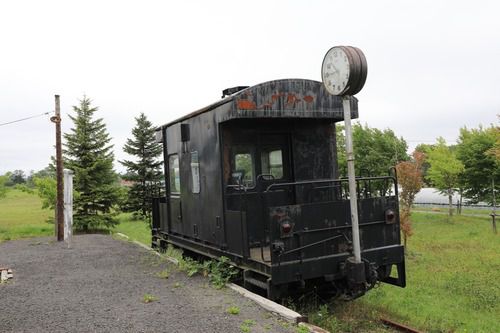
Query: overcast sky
<point>433,65</point>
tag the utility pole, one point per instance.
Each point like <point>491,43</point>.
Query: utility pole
<point>59,173</point>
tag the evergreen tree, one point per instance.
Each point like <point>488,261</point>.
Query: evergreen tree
<point>144,172</point>
<point>88,153</point>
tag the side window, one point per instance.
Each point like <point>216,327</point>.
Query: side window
<point>175,176</point>
<point>195,172</point>
<point>243,168</point>
<point>272,162</point>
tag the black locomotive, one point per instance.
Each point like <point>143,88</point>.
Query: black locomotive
<point>254,177</point>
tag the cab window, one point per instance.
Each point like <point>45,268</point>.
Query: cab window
<point>271,160</point>
<point>243,167</point>
<point>174,173</point>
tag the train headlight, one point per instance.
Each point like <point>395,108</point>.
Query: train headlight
<point>286,227</point>
<point>390,216</point>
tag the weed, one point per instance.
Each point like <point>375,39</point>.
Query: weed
<point>247,324</point>
<point>302,329</point>
<point>148,298</point>
<point>163,274</point>
<point>234,310</point>
<point>221,272</point>
<point>178,285</point>
<point>284,324</point>
<point>191,266</point>
<point>174,253</point>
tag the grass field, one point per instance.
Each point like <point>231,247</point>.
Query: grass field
<point>21,216</point>
<point>452,267</point>
<point>136,230</point>
<point>453,277</point>
<point>465,210</point>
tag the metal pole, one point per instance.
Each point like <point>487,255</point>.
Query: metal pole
<point>346,101</point>
<point>59,174</point>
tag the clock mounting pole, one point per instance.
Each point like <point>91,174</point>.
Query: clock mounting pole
<point>344,72</point>
<point>346,103</point>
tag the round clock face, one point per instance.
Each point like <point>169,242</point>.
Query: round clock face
<point>335,71</point>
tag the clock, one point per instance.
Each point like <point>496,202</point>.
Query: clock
<point>344,70</point>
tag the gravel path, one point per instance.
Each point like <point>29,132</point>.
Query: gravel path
<point>99,284</point>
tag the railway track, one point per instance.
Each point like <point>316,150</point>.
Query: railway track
<point>399,326</point>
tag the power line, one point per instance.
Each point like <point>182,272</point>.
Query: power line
<point>27,118</point>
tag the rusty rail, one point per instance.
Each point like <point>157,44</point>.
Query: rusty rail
<point>401,327</point>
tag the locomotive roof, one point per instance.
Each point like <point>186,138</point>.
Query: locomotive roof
<point>287,98</point>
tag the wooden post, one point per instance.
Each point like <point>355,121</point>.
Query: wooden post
<point>59,174</point>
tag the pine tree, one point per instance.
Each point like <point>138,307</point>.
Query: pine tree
<point>144,172</point>
<point>88,153</point>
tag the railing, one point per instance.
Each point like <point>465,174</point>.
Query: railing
<point>367,187</point>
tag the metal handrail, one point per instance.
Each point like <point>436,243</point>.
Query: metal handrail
<point>319,181</point>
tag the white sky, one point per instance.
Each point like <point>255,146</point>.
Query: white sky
<point>433,65</point>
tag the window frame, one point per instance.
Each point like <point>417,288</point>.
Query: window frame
<point>172,173</point>
<point>267,150</point>
<point>241,150</point>
<point>198,167</point>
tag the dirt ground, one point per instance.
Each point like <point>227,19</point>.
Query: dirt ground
<point>99,285</point>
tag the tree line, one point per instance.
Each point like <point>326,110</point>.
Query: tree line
<point>98,193</point>
<point>468,167</point>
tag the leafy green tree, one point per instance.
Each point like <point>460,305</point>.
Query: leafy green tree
<point>47,191</point>
<point>3,189</point>
<point>445,170</point>
<point>375,153</point>
<point>481,167</point>
<point>88,153</point>
<point>18,177</point>
<point>145,170</point>
<point>425,149</point>
<point>48,171</point>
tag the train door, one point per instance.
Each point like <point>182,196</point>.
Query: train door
<point>253,166</point>
<point>175,193</point>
